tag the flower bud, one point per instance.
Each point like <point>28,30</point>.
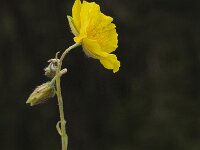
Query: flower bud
<point>41,94</point>
<point>50,70</point>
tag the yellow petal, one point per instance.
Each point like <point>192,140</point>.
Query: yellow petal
<point>79,38</point>
<point>110,62</point>
<point>76,14</point>
<point>93,49</point>
<point>105,20</point>
<point>105,33</point>
<point>108,39</point>
<point>89,16</point>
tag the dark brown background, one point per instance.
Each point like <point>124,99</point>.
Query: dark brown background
<point>152,103</point>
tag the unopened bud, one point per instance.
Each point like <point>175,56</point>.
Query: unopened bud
<point>41,94</point>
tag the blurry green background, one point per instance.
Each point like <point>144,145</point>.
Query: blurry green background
<point>152,103</point>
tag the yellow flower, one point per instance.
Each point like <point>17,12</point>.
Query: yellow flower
<point>96,32</point>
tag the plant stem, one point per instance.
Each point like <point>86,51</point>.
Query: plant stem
<point>64,137</point>
<point>67,51</point>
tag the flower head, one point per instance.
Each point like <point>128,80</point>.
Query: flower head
<point>96,32</point>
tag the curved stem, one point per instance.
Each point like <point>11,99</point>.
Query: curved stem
<point>67,50</point>
<point>64,137</point>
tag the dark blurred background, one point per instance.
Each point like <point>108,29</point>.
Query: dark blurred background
<point>152,103</point>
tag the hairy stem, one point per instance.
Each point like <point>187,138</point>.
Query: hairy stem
<point>64,137</point>
<point>67,51</point>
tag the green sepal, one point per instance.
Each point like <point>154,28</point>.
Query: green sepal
<point>71,25</point>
